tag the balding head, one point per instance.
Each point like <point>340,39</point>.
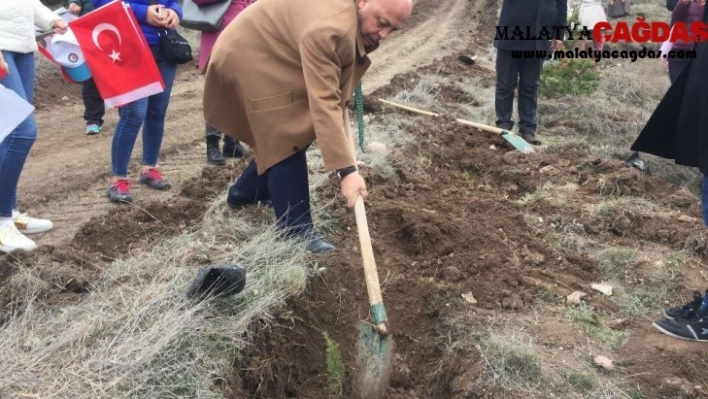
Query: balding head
<point>378,18</point>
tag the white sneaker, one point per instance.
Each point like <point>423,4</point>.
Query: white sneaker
<point>11,239</point>
<point>28,225</point>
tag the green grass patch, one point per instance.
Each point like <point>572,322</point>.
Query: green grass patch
<point>511,358</point>
<point>581,382</point>
<point>659,286</point>
<point>597,327</point>
<point>613,261</point>
<point>542,192</point>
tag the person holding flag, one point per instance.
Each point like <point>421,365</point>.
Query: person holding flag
<point>17,46</point>
<point>149,112</point>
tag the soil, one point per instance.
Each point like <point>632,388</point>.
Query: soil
<point>451,221</point>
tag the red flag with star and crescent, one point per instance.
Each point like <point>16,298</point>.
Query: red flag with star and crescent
<point>117,54</point>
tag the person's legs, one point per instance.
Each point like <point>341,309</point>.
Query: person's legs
<point>131,117</point>
<point>16,146</point>
<point>14,150</point>
<point>288,185</point>
<point>155,127</point>
<point>94,107</point>
<point>213,153</point>
<point>529,83</point>
<point>507,78</point>
<point>249,188</point>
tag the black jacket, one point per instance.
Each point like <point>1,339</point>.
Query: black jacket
<point>678,128</point>
<point>530,16</point>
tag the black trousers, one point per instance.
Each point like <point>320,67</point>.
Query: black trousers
<point>676,65</point>
<point>214,132</point>
<point>287,185</point>
<point>524,73</point>
<point>94,108</point>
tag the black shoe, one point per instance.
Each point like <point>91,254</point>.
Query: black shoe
<point>213,154</point>
<point>635,161</point>
<point>684,312</point>
<point>239,199</point>
<point>693,329</point>
<point>531,138</point>
<point>318,245</point>
<point>234,150</point>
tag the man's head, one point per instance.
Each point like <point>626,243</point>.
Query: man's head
<point>378,18</point>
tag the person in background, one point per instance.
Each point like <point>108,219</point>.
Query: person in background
<point>17,46</point>
<point>678,130</point>
<point>94,108</point>
<point>232,147</point>
<point>148,113</point>
<point>687,12</point>
<point>524,73</point>
<point>279,78</point>
<point>591,12</point>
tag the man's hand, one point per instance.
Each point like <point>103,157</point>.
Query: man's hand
<point>59,26</point>
<point>74,8</point>
<point>156,15</point>
<point>352,185</point>
<point>557,45</point>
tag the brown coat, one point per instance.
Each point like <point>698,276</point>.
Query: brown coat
<point>280,75</point>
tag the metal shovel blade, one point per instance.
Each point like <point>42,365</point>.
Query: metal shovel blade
<point>518,142</point>
<point>375,360</point>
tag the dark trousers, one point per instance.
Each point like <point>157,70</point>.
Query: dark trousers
<point>286,184</point>
<point>214,132</point>
<point>94,108</point>
<point>524,73</point>
<point>676,65</point>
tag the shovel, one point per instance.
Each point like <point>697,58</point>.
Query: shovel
<point>375,345</point>
<point>513,138</point>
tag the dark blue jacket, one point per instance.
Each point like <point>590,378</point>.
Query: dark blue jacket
<point>530,16</point>
<point>139,8</point>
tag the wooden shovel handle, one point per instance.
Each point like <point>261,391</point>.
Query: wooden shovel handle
<point>462,121</point>
<point>367,254</point>
<point>370,273</point>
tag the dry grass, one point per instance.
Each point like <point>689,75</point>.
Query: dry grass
<point>136,335</point>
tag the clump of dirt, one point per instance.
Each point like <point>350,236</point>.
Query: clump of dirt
<point>212,182</point>
<point>48,274</point>
<point>131,228</point>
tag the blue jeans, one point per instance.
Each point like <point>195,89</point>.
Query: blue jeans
<point>704,200</point>
<point>149,111</point>
<point>16,146</point>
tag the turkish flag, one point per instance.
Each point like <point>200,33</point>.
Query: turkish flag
<point>117,54</point>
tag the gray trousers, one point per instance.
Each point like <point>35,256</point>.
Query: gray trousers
<point>524,73</point>
<point>213,132</point>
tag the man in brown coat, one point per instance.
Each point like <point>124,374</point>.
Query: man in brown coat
<point>278,79</point>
